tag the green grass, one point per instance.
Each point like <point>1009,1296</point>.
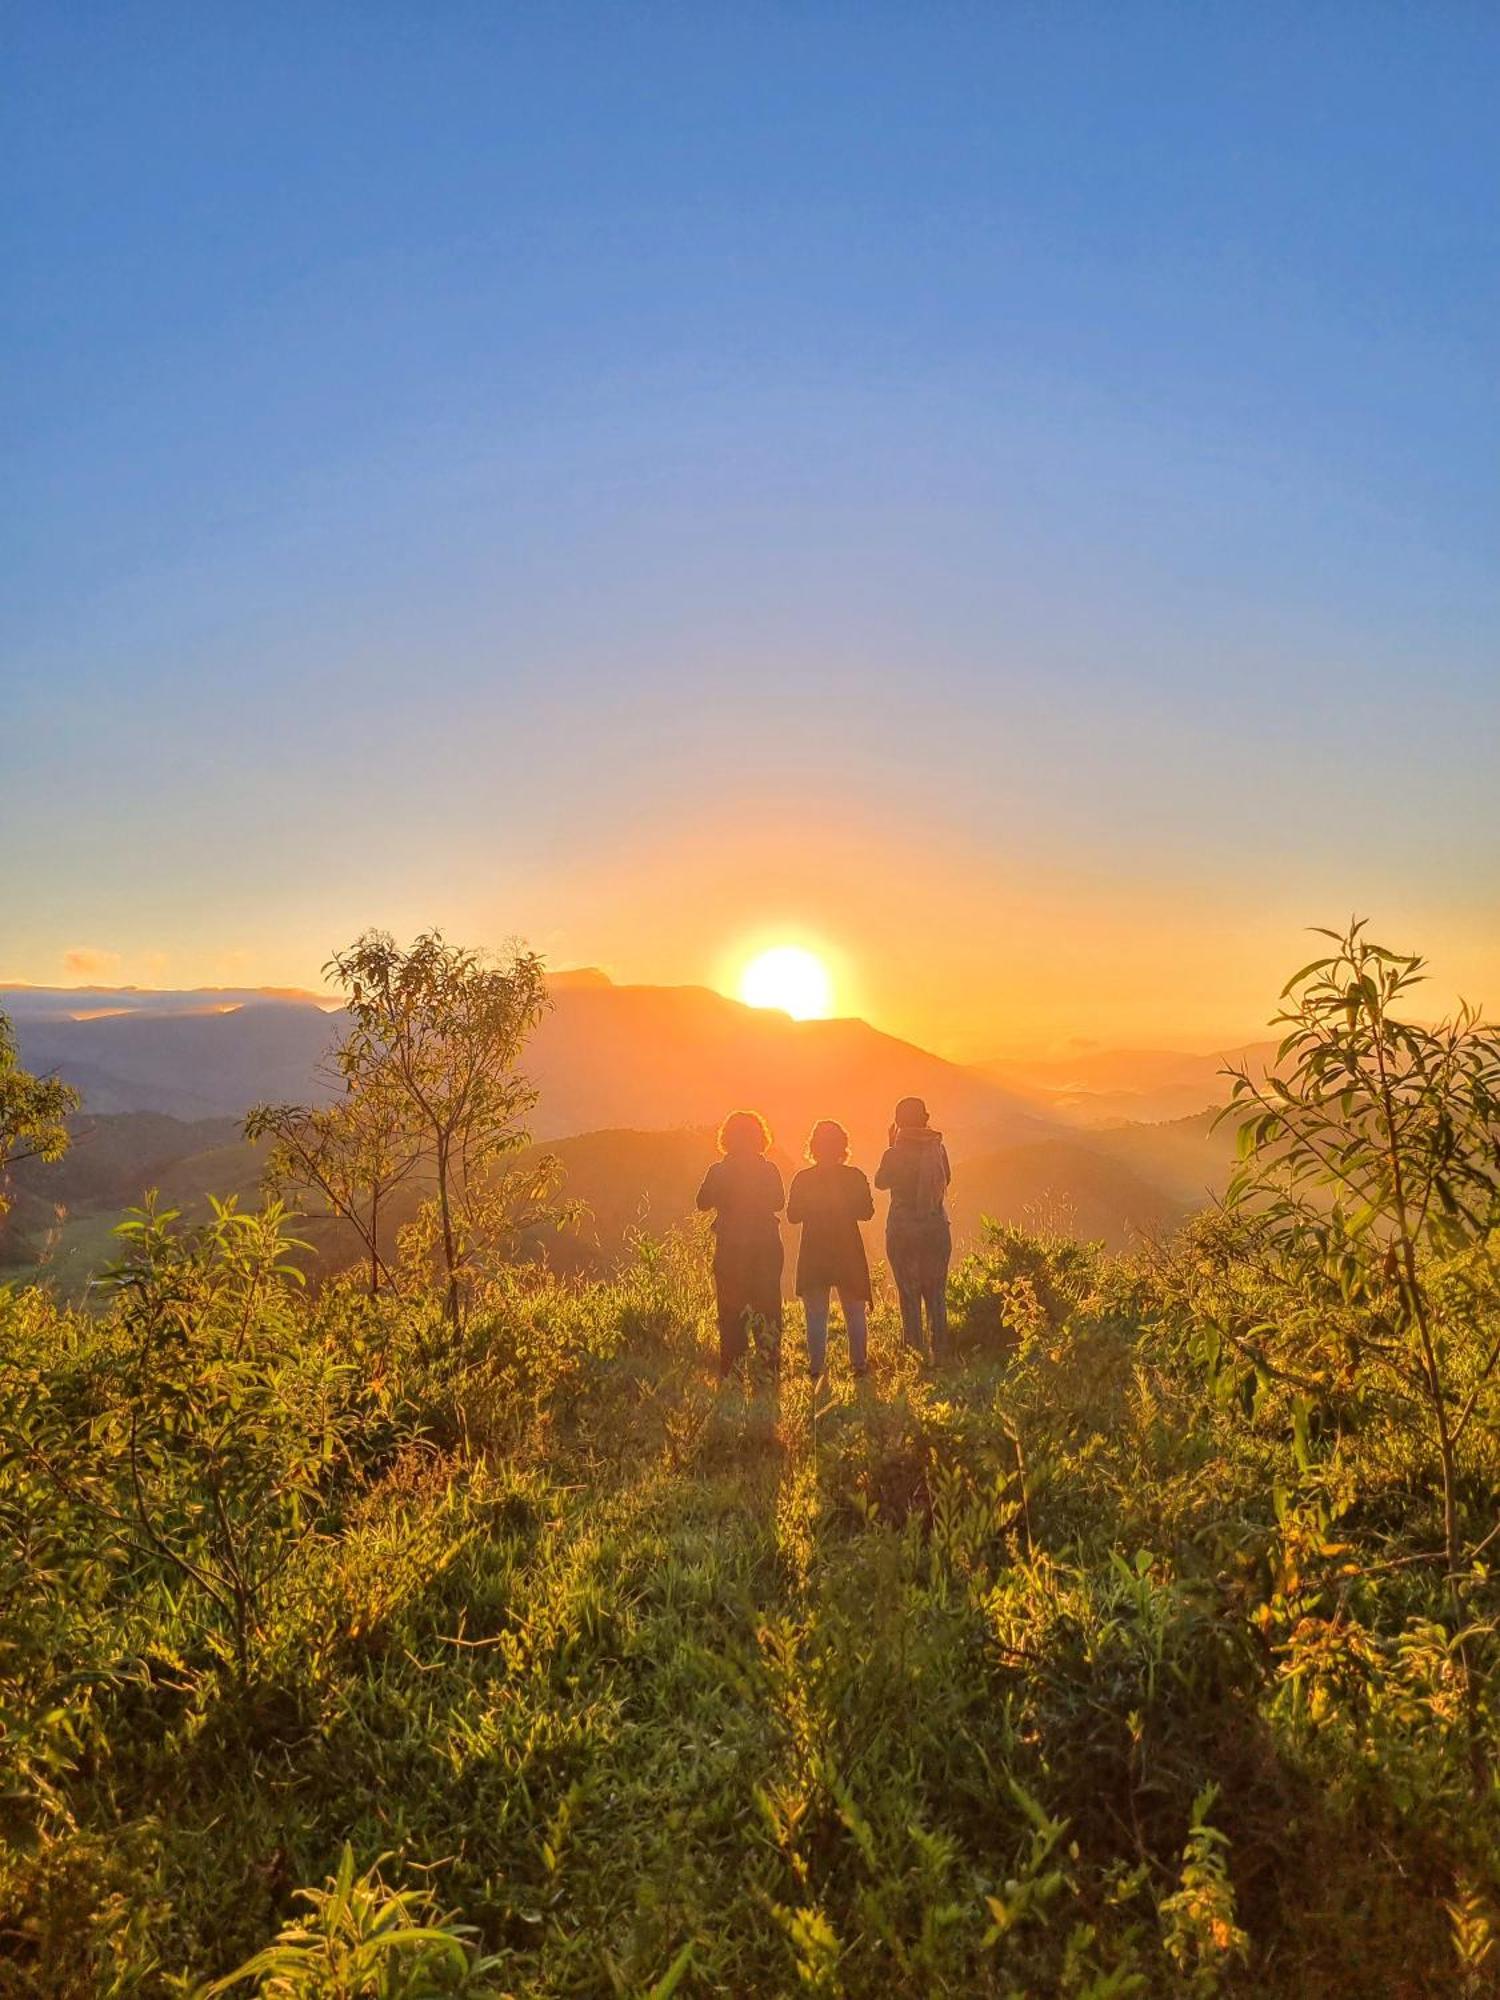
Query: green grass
<point>1059,1671</point>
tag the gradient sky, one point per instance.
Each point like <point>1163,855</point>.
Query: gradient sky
<point>1007,494</point>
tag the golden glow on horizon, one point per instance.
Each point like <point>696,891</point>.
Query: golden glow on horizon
<point>926,934</point>
<point>793,980</point>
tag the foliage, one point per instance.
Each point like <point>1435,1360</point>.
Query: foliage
<point>1372,1169</point>
<point>496,1211</point>
<point>1199,1930</point>
<point>361,1941</point>
<point>202,1434</point>
<point>429,1071</point>
<point>354,1153</point>
<point>1110,1660</point>
<point>1020,1286</point>
<point>33,1111</point>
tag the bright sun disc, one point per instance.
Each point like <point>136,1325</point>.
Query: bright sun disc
<point>791,979</point>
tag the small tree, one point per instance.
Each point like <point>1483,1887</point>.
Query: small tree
<point>354,1152</point>
<point>1373,1151</point>
<point>493,1219</point>
<point>33,1111</point>
<point>439,1030</point>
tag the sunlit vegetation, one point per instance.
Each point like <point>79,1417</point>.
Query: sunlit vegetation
<point>33,1112</point>
<point>358,1643</point>
<point>427,1084</point>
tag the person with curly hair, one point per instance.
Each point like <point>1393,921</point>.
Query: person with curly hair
<point>743,1191</point>
<point>830,1199</point>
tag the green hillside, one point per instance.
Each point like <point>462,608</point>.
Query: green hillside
<point>1114,1188</point>
<point>1186,1160</point>
<point>63,1213</point>
<point>478,1637</point>
<point>1060,1671</point>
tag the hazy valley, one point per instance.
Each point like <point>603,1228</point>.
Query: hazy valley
<point>633,1081</point>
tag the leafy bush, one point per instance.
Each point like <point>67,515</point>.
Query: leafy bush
<point>361,1941</point>
<point>1123,1657</point>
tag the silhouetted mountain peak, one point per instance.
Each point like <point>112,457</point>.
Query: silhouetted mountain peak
<point>604,1056</point>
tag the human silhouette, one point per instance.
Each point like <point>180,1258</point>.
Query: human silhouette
<point>831,1199</point>
<point>743,1190</point>
<point>918,1241</point>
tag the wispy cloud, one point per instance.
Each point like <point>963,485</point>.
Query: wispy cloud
<point>88,961</point>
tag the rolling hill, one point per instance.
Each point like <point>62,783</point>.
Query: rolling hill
<point>633,1082</point>
<point>1187,1159</point>
<point>1099,1087</point>
<point>1063,1185</point>
<point>647,1058</point>
<point>186,1056</point>
<point>62,1216</point>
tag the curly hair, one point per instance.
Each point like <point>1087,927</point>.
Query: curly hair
<point>744,1132</point>
<point>828,1141</point>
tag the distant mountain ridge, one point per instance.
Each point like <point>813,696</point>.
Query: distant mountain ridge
<point>199,1062</point>
<point>647,1058</point>
<point>20,1000</point>
<point>1120,1086</point>
<point>633,1080</point>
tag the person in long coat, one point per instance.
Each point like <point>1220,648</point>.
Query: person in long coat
<point>918,1240</point>
<point>743,1191</point>
<point>831,1199</point>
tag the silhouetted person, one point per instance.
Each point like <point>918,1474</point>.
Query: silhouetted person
<point>744,1191</point>
<point>918,1241</point>
<point>831,1199</point>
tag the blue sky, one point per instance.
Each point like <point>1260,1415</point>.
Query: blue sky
<point>1008,493</point>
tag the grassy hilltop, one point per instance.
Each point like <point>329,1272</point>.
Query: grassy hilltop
<point>457,1632</point>
<point>1078,1668</point>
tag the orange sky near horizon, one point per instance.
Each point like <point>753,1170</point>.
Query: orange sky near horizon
<point>965,951</point>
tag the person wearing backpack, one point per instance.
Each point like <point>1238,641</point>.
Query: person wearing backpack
<point>918,1241</point>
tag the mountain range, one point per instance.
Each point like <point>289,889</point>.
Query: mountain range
<point>1101,1087</point>
<point>648,1058</point>
<point>633,1082</point>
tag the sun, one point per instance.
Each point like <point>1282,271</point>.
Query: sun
<point>791,979</point>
